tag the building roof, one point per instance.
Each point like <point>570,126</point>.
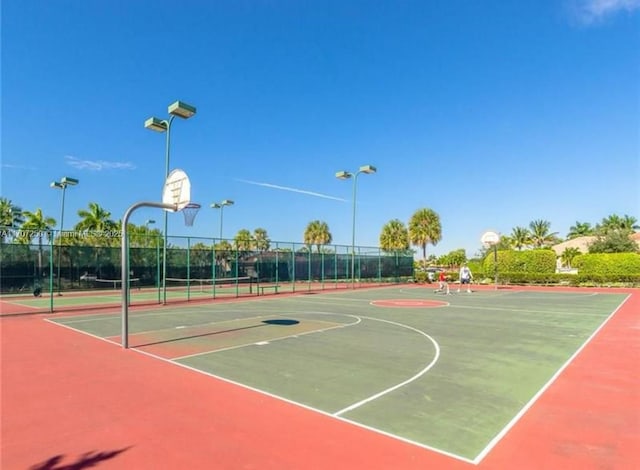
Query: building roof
<point>582,243</point>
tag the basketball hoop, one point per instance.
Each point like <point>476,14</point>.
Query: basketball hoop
<point>190,211</point>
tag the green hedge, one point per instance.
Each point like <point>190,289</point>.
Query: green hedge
<point>538,267</point>
<point>607,264</point>
<point>530,261</point>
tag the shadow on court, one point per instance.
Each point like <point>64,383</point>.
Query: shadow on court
<point>86,460</point>
<point>279,322</point>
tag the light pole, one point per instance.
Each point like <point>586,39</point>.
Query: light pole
<point>62,184</point>
<point>184,111</point>
<point>345,175</point>
<point>149,222</point>
<point>220,205</point>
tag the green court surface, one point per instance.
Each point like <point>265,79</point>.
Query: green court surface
<point>449,378</point>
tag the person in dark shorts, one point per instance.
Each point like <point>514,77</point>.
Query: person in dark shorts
<point>465,278</point>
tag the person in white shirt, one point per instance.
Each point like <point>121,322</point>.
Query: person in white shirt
<point>465,277</point>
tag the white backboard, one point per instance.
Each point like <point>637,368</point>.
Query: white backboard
<point>489,238</point>
<point>177,189</point>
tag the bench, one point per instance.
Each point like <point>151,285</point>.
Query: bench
<point>275,288</point>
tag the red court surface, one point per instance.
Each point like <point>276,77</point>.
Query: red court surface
<point>71,401</point>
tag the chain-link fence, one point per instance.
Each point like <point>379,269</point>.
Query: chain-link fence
<point>54,272</point>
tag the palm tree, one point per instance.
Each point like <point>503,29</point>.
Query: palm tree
<point>36,224</point>
<point>223,255</point>
<point>568,255</point>
<point>10,217</point>
<point>261,239</point>
<point>580,229</point>
<point>243,241</point>
<point>424,228</point>
<point>607,225</point>
<point>317,233</point>
<point>520,237</point>
<point>394,236</point>
<point>630,223</point>
<point>95,219</point>
<point>541,235</point>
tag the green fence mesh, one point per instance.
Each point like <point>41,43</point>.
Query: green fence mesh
<point>64,267</point>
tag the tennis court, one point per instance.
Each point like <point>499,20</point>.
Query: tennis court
<point>110,293</point>
<point>451,374</point>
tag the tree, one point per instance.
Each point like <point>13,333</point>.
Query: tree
<point>142,236</point>
<point>261,239</point>
<point>36,224</point>
<point>425,228</point>
<point>568,255</point>
<point>541,235</point>
<point>580,229</point>
<point>614,223</point>
<point>616,241</point>
<point>10,217</point>
<point>454,258</point>
<point>200,260</point>
<point>520,237</point>
<point>243,241</point>
<point>317,233</point>
<point>223,251</point>
<point>629,223</point>
<point>95,219</point>
<point>394,237</point>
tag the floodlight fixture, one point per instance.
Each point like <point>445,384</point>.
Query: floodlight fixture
<point>181,109</point>
<point>343,175</point>
<point>368,169</point>
<point>69,181</point>
<point>155,124</point>
<point>220,205</point>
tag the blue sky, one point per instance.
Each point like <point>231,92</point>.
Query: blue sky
<point>491,113</point>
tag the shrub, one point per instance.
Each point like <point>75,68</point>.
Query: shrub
<point>530,261</point>
<point>608,264</point>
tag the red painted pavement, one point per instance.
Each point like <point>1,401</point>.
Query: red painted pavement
<point>72,401</point>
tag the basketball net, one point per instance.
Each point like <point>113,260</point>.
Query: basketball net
<point>190,211</point>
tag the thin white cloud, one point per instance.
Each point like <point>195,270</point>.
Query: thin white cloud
<point>592,11</point>
<point>18,167</point>
<point>97,165</point>
<point>293,190</point>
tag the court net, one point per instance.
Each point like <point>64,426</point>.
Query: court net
<point>113,283</point>
<point>208,284</point>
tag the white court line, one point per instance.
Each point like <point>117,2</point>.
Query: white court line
<point>310,408</point>
<point>278,338</point>
<point>544,388</point>
<point>536,312</point>
<point>309,299</point>
<point>401,384</point>
<point>64,325</point>
<point>198,325</point>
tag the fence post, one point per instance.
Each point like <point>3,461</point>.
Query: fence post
<point>50,273</point>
